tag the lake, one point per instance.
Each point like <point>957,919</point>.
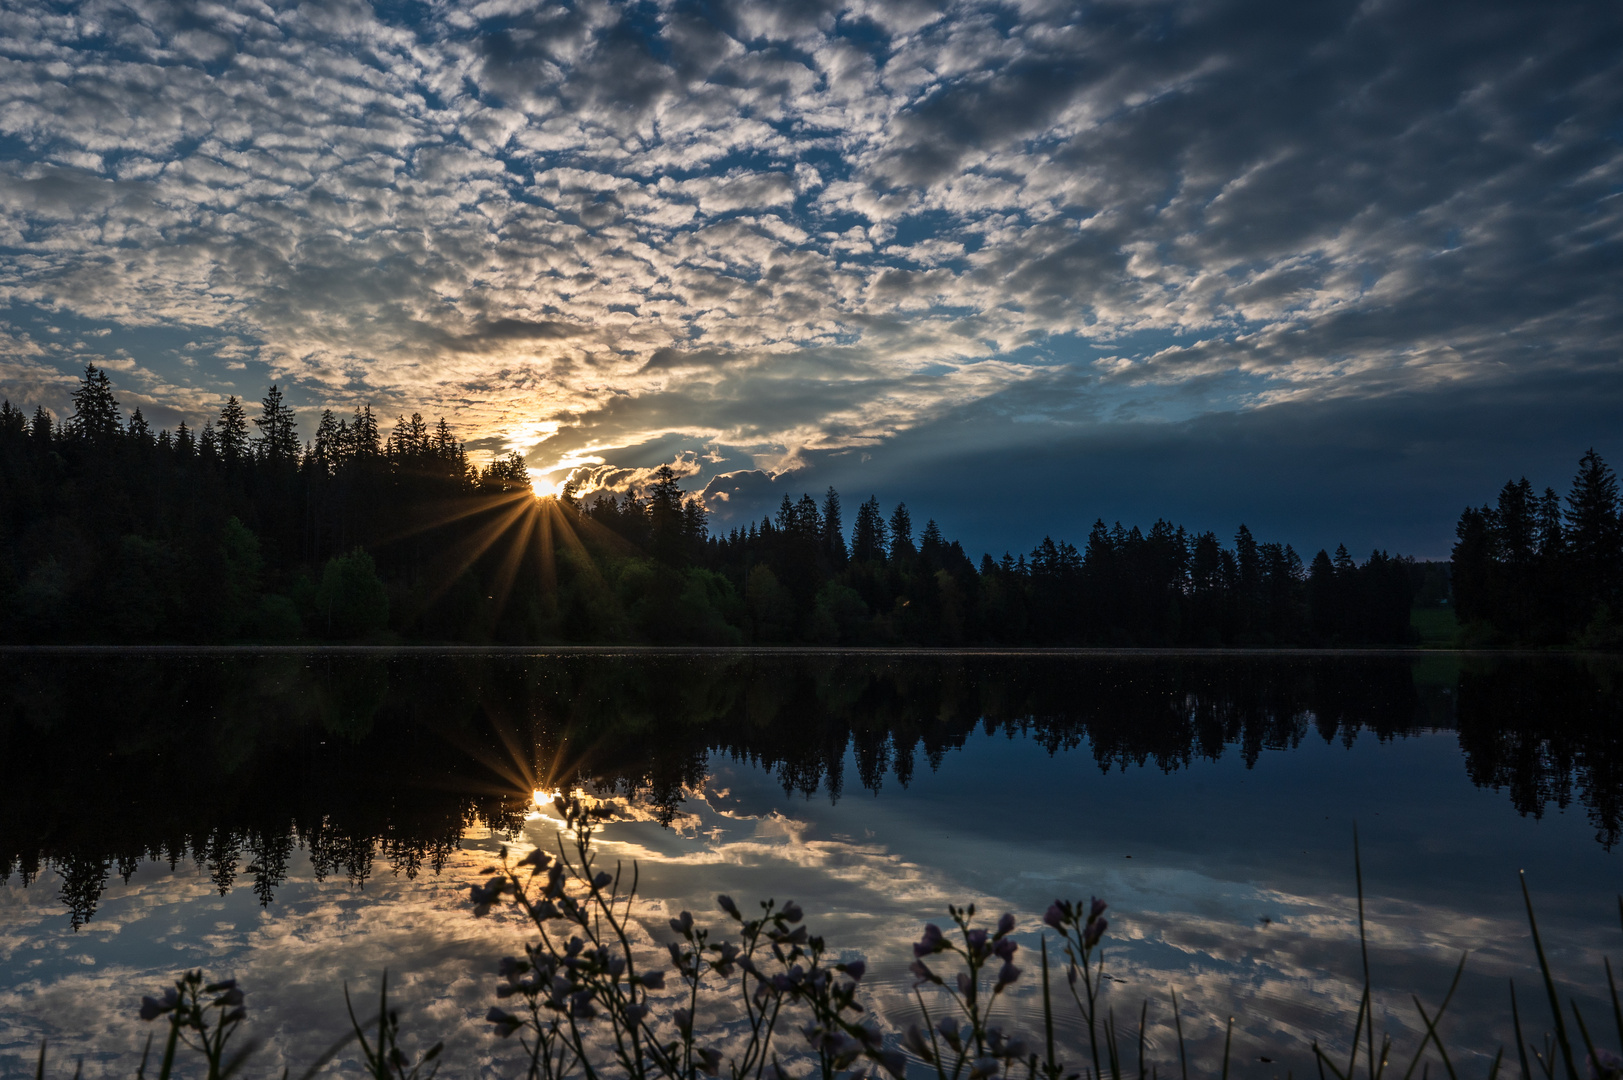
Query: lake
<point>305,820</point>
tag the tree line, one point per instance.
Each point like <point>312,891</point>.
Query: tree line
<point>1540,570</point>
<point>110,531</point>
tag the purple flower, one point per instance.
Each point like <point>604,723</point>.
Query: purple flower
<point>855,968</point>
<point>1096,908</point>
<point>729,907</point>
<point>1096,930</point>
<point>1604,1065</point>
<point>931,942</point>
<point>984,1066</point>
<point>1005,925</point>
<point>915,1042</point>
<point>684,1020</point>
<point>977,941</point>
<point>683,924</point>
<point>709,1061</point>
<point>506,1023</point>
<point>792,913</point>
<point>949,1031</point>
<point>601,881</point>
<point>895,1061</point>
<point>966,985</point>
<point>1004,949</point>
<point>654,980</point>
<point>1055,916</point>
<point>635,1013</point>
<point>923,974</point>
<point>1006,975</point>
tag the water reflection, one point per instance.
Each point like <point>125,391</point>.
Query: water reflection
<point>161,803</point>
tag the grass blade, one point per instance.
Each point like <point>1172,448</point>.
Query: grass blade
<point>1177,1021</point>
<point>1521,1043</point>
<point>1549,985</point>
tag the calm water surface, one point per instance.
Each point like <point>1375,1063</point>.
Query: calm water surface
<point>299,821</point>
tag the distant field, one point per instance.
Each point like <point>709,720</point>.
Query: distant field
<point>1438,627</point>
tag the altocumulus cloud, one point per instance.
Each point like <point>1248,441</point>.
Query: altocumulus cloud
<point>785,235</point>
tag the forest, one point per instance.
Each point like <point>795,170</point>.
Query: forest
<point>1537,570</point>
<point>113,532</point>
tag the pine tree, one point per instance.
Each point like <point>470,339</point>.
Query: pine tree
<point>139,430</point>
<point>1595,536</point>
<point>868,538</point>
<point>231,433</point>
<point>95,411</point>
<point>901,533</point>
<point>40,427</point>
<point>278,440</point>
<point>833,530</point>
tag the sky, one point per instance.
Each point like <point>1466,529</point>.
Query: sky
<point>1334,270</point>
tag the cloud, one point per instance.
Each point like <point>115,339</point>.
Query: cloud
<point>806,229</point>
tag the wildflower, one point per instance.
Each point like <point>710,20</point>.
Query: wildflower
<point>915,1042</point>
<point>1004,949</point>
<point>654,980</point>
<point>1096,909</point>
<point>923,974</point>
<point>506,1023</point>
<point>931,942</point>
<point>601,881</point>
<point>855,968</point>
<point>1095,931</point>
<point>1056,914</point>
<point>729,907</point>
<point>683,924</point>
<point>635,1013</point>
<point>976,940</point>
<point>792,913</point>
<point>1006,975</point>
<point>726,957</point>
<point>152,1008</point>
<point>684,1021</point>
<point>1005,925</point>
<point>537,858</point>
<point>709,1061</point>
<point>984,1066</point>
<point>949,1030</point>
<point>895,1061</point>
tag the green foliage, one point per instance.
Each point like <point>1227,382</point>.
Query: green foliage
<point>350,601</point>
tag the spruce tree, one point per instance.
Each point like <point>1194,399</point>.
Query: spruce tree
<point>231,433</point>
<point>278,441</point>
<point>901,533</point>
<point>95,411</point>
<point>833,530</point>
<point>1594,535</point>
<point>868,533</point>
